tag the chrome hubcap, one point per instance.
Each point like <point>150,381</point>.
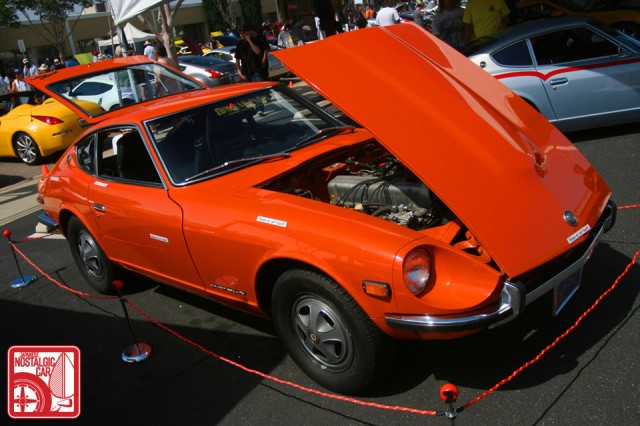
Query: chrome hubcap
<point>322,333</point>
<point>26,148</point>
<point>89,254</point>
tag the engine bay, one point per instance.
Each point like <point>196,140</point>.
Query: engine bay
<point>368,179</point>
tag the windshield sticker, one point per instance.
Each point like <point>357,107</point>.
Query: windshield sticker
<point>578,234</point>
<point>242,105</point>
<point>270,221</point>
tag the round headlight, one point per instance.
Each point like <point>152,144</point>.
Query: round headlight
<point>417,270</point>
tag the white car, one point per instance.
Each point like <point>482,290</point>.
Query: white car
<point>103,91</point>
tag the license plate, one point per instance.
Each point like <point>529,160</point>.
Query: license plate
<point>563,291</point>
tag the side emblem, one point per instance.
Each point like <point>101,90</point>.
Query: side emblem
<point>570,218</point>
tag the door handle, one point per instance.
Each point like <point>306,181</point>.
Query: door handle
<point>558,81</point>
<point>99,207</point>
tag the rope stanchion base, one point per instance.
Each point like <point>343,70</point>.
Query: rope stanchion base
<point>141,351</point>
<point>22,281</point>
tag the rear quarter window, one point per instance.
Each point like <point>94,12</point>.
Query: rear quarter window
<point>515,55</point>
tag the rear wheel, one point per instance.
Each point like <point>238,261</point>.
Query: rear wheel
<point>27,149</point>
<point>94,265</point>
<point>326,333</point>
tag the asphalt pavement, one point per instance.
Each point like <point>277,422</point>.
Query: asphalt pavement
<point>590,377</point>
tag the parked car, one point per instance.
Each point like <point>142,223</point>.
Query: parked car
<point>209,70</point>
<point>577,72</point>
<point>122,87</point>
<point>36,129</point>
<point>615,15</point>
<point>276,67</point>
<point>346,236</point>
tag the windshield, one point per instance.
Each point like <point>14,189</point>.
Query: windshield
<point>120,87</point>
<point>235,133</point>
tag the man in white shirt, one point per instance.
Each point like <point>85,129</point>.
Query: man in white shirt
<point>29,70</point>
<point>149,50</point>
<point>387,15</point>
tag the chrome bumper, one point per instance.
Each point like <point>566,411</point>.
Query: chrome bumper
<point>513,299</point>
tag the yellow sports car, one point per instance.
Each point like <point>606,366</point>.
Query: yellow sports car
<point>34,130</point>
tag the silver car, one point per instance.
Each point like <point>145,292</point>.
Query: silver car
<point>577,72</point>
<point>210,71</point>
<point>227,53</point>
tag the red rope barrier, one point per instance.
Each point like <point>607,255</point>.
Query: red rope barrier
<point>56,282</point>
<point>559,338</point>
<point>340,397</point>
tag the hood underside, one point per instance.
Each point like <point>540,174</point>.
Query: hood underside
<point>498,164</point>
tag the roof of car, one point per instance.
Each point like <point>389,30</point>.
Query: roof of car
<point>527,29</point>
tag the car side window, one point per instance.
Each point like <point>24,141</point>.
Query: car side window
<point>515,55</point>
<point>574,44</point>
<point>84,153</point>
<point>122,154</point>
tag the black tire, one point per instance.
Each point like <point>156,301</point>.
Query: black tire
<point>327,333</point>
<point>27,149</point>
<point>94,265</point>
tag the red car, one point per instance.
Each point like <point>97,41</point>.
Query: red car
<point>348,236</point>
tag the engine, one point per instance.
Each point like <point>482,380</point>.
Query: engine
<point>368,179</point>
<point>388,191</point>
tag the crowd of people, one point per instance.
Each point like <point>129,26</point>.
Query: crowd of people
<point>451,23</point>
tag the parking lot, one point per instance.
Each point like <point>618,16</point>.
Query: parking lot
<point>589,377</point>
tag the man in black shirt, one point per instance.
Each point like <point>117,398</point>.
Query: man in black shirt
<point>251,55</point>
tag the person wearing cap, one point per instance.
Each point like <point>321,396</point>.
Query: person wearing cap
<point>149,50</point>
<point>18,85</point>
<point>29,70</point>
<point>251,55</point>
<point>57,64</point>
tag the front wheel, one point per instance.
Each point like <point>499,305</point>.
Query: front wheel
<point>326,333</point>
<point>27,149</point>
<point>94,265</point>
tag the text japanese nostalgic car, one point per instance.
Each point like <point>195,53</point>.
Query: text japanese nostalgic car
<point>344,235</point>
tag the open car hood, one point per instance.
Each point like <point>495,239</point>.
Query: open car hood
<point>498,164</point>
<point>112,84</point>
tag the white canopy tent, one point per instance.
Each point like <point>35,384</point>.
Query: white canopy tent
<point>133,35</point>
<point>124,10</point>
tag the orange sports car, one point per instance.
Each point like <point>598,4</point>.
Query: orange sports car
<point>347,235</point>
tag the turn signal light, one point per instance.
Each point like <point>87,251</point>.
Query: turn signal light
<point>377,289</point>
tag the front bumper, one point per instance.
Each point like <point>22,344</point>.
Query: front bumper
<point>513,299</point>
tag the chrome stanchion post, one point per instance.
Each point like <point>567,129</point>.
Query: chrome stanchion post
<point>139,351</point>
<point>22,280</point>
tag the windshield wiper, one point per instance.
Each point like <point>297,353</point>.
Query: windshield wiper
<point>326,132</point>
<point>226,164</point>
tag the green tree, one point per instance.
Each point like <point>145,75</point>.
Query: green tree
<point>252,12</point>
<point>161,21</point>
<point>52,14</point>
<point>221,15</point>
